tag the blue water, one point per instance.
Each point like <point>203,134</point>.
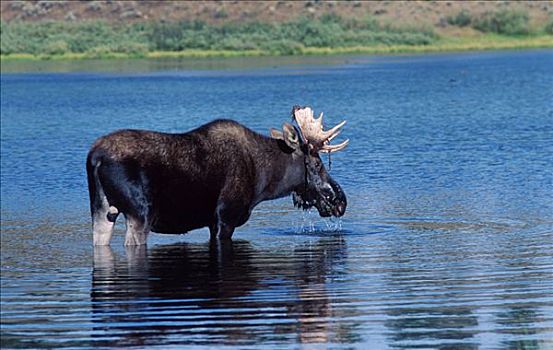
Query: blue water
<point>447,241</point>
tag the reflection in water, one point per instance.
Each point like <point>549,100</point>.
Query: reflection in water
<point>523,313</point>
<point>520,321</point>
<point>217,292</point>
<point>455,326</point>
<point>464,288</point>
<point>188,65</point>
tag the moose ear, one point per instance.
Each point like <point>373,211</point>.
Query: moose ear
<point>276,134</point>
<point>290,136</point>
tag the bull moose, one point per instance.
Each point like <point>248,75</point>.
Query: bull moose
<point>212,176</point>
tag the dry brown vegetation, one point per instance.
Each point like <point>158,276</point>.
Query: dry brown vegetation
<point>433,13</point>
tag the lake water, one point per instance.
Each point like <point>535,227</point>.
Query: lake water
<point>447,242</point>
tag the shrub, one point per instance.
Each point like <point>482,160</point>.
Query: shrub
<point>284,47</point>
<point>509,22</point>
<point>462,19</point>
<point>99,38</point>
<point>221,13</point>
<point>58,47</point>
<point>98,52</point>
<point>133,48</point>
<point>549,26</point>
<point>330,17</point>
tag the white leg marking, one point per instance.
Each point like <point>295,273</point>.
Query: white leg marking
<point>102,228</point>
<point>137,232</point>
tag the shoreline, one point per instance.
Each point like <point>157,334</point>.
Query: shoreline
<point>484,42</point>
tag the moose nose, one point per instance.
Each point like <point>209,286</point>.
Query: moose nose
<point>328,192</point>
<point>339,209</point>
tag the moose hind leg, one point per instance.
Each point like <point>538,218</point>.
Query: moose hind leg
<point>103,221</point>
<point>137,231</point>
<point>128,187</point>
<point>103,214</point>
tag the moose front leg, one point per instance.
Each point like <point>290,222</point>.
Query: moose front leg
<point>228,216</point>
<point>233,208</point>
<point>221,230</point>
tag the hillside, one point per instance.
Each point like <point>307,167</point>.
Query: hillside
<point>102,29</point>
<point>215,12</point>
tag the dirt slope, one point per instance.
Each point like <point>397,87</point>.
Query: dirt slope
<point>421,12</point>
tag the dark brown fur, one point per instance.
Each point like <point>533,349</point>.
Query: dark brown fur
<point>212,176</point>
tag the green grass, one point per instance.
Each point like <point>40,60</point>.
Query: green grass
<point>506,22</point>
<point>487,42</point>
<point>328,35</point>
<point>100,39</point>
<point>509,22</point>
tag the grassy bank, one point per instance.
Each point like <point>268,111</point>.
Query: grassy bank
<point>445,44</point>
<point>329,34</point>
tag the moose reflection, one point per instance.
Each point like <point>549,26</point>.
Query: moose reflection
<point>221,292</point>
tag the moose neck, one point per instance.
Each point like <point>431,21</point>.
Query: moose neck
<point>278,172</point>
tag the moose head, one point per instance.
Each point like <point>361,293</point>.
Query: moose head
<point>308,140</point>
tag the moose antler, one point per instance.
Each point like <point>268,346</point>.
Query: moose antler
<point>312,132</point>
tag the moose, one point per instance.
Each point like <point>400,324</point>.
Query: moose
<point>212,176</point>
